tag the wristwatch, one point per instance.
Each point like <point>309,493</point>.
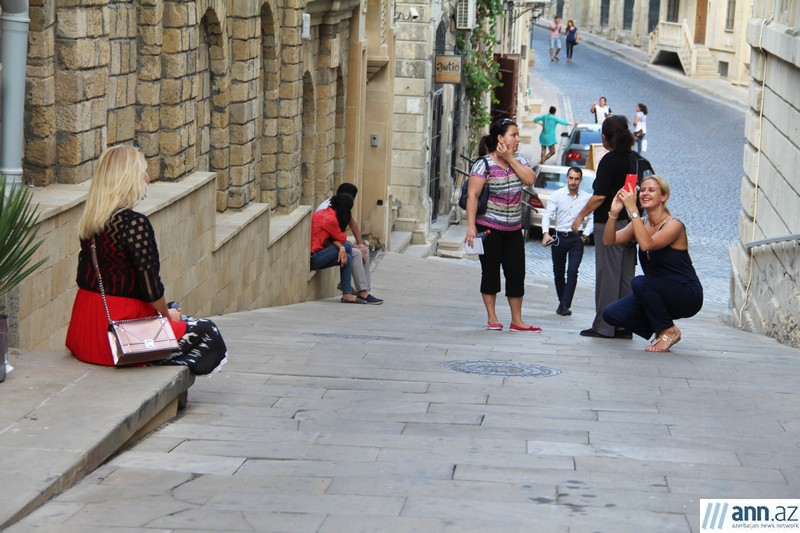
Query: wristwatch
<point>634,215</point>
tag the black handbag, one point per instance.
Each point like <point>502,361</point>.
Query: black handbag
<point>483,198</point>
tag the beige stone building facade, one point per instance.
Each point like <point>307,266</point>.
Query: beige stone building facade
<point>249,113</point>
<point>431,118</point>
<point>708,39</point>
<point>426,125</point>
<point>765,264</point>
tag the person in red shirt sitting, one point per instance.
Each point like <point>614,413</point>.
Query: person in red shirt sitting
<point>329,246</point>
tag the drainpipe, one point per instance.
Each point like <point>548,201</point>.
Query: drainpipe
<point>14,24</point>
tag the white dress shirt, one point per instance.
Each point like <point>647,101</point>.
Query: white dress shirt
<point>565,208</point>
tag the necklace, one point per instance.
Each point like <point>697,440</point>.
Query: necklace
<point>664,219</point>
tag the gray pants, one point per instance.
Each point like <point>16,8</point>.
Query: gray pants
<point>614,268</point>
<point>361,270</point>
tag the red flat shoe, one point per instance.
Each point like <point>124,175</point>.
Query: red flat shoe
<point>532,329</point>
<point>494,326</point>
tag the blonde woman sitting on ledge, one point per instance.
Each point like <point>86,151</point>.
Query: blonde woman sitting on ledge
<point>128,261</point>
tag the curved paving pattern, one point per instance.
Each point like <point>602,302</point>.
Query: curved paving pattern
<point>488,367</point>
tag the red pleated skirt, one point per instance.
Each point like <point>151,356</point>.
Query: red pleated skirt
<point>87,336</point>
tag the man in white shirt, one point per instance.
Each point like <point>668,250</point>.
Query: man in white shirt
<point>600,110</point>
<point>564,205</point>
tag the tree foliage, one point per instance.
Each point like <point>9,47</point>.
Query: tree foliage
<point>18,236</point>
<point>480,69</point>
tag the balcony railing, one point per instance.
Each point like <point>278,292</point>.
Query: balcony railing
<point>674,37</point>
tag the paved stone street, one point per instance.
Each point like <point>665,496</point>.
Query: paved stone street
<point>695,141</point>
<point>343,418</point>
<point>332,418</point>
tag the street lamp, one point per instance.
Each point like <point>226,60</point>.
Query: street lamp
<point>517,9</point>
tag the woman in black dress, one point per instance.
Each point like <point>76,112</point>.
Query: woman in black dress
<point>669,288</point>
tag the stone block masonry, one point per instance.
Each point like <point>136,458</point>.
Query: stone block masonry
<point>213,263</point>
<point>199,85</point>
<point>231,91</point>
<point>764,279</point>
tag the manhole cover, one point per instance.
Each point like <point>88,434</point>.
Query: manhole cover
<point>487,367</point>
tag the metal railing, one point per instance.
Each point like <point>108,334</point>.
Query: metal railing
<point>774,240</point>
<point>675,37</point>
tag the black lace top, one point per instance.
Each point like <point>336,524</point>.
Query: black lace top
<point>128,259</point>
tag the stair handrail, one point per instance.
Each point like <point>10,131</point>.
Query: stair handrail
<point>688,49</point>
<point>652,42</point>
<point>773,240</point>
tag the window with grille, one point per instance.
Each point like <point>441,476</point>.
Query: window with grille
<point>730,15</point>
<point>672,11</point>
<point>627,15</point>
<point>652,15</point>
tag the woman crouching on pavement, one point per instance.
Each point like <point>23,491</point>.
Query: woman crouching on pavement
<point>505,172</point>
<point>669,288</point>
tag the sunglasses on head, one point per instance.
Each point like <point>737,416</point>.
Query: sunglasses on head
<point>502,123</point>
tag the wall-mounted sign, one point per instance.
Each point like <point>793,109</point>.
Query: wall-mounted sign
<point>447,69</point>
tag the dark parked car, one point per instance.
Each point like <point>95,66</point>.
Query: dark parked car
<point>578,142</point>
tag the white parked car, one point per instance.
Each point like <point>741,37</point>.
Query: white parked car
<point>534,199</point>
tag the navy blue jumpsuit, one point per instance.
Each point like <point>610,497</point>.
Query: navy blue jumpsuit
<point>670,289</point>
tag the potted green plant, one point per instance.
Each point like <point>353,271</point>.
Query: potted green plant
<point>18,243</point>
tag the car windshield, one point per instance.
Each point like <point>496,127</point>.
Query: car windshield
<point>587,137</point>
<point>552,180</point>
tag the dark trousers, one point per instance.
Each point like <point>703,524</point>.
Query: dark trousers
<point>654,305</point>
<point>328,257</point>
<point>570,47</point>
<point>615,267</point>
<point>567,256</point>
<point>639,141</point>
<point>506,249</point>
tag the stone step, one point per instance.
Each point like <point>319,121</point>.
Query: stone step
<point>451,243</point>
<point>418,250</point>
<point>399,241</point>
<point>404,224</point>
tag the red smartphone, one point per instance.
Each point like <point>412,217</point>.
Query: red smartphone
<point>631,182</point>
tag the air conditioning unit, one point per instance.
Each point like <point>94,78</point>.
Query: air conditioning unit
<point>465,14</point>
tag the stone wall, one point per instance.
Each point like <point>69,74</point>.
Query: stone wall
<point>233,91</point>
<point>227,87</point>
<point>765,297</point>
<point>413,124</point>
<point>213,263</point>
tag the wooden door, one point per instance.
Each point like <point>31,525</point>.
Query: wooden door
<point>700,22</point>
<point>507,93</point>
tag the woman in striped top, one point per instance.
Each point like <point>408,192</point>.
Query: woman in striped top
<point>505,172</point>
